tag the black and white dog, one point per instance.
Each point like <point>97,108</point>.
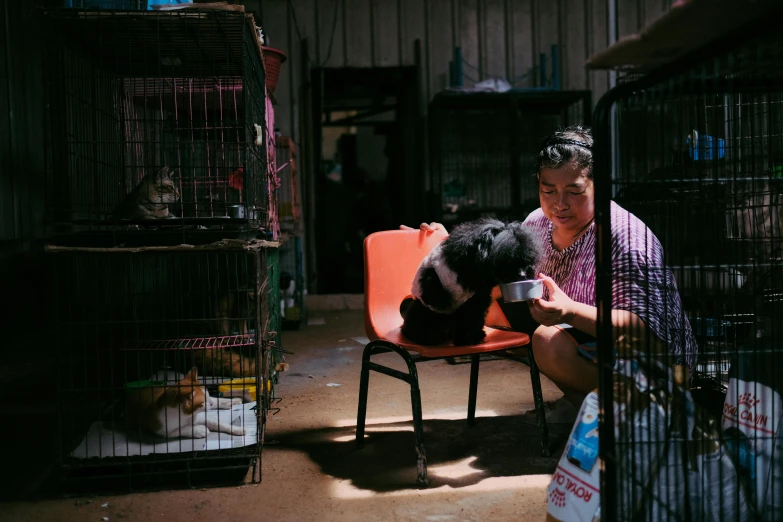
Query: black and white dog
<point>452,289</point>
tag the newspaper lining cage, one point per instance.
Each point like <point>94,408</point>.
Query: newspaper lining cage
<point>156,124</point>
<point>699,159</point>
<point>133,325</point>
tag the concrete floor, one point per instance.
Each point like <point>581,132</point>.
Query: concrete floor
<point>312,470</point>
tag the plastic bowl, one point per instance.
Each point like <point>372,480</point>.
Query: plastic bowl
<point>522,290</point>
<point>248,383</point>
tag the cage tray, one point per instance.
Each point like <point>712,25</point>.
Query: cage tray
<point>106,439</point>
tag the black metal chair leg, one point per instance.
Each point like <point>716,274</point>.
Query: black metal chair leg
<point>538,400</point>
<point>474,370</point>
<point>364,384</point>
<point>418,434</point>
<point>412,378</point>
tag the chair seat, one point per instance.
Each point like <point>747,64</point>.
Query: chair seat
<point>494,341</point>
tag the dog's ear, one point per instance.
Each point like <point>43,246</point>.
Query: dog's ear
<point>487,231</point>
<point>515,252</point>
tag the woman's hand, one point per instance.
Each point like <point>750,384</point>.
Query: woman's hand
<point>426,227</point>
<point>557,310</point>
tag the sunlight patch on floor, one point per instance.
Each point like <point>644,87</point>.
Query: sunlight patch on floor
<point>457,414</point>
<point>456,470</point>
<point>370,429</point>
<point>344,489</point>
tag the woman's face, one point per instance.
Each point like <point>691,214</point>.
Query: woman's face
<point>567,197</point>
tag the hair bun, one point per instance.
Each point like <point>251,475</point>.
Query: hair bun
<point>566,141</point>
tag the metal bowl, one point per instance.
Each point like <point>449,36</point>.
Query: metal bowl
<point>243,212</point>
<point>522,290</point>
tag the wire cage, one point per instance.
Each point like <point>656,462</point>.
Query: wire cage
<point>155,127</point>
<point>289,206</point>
<point>482,145</point>
<point>128,328</point>
<point>274,321</point>
<point>698,158</point>
<point>292,284</point>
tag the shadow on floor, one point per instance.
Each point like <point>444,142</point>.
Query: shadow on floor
<point>458,455</point>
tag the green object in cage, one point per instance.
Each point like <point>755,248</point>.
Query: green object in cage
<point>292,314</point>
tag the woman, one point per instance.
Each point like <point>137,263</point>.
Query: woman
<point>645,299</point>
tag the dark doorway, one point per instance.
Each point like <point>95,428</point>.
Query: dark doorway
<point>368,151</point>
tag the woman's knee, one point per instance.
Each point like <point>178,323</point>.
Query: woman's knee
<point>546,349</point>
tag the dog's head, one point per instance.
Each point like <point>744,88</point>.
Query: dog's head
<point>468,249</point>
<point>488,251</point>
<point>514,252</point>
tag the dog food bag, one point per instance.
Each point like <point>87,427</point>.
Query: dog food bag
<point>671,461</point>
<point>752,415</point>
<point>573,491</point>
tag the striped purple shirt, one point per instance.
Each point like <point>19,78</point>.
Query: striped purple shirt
<point>640,282</point>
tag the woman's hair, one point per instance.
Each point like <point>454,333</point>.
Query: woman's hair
<point>569,145</point>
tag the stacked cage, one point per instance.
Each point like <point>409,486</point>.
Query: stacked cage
<point>292,284</point>
<point>160,203</point>
<point>128,327</point>
<point>156,128</point>
<point>482,145</point>
<point>698,157</point>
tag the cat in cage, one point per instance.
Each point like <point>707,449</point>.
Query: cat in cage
<point>178,409</point>
<point>151,197</point>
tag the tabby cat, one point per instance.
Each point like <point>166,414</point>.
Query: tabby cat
<point>150,198</point>
<point>178,409</point>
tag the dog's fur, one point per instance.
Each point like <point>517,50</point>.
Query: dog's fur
<point>452,289</point>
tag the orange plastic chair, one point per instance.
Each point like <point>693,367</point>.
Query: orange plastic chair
<point>391,259</point>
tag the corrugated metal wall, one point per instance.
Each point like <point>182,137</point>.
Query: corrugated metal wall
<point>499,38</point>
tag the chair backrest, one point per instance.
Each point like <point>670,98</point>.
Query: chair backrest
<point>391,258</point>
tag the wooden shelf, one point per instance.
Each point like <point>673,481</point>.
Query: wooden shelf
<point>689,25</point>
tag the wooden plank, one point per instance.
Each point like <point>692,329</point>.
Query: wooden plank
<point>494,37</point>
<point>7,194</point>
<point>441,40</point>
<point>412,27</point>
<point>29,122</point>
<point>522,45</point>
<point>303,13</point>
<point>627,17</point>
<point>599,38</point>
<point>652,10</point>
<point>330,33</point>
<point>358,31</point>
<point>276,25</point>
<point>293,72</point>
<point>547,32</point>
<point>572,45</point>
<point>468,40</point>
<point>386,30</point>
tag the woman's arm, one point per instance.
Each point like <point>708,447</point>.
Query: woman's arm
<point>562,309</point>
<point>585,317</point>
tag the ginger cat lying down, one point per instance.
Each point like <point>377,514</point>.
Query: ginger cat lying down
<point>178,410</point>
